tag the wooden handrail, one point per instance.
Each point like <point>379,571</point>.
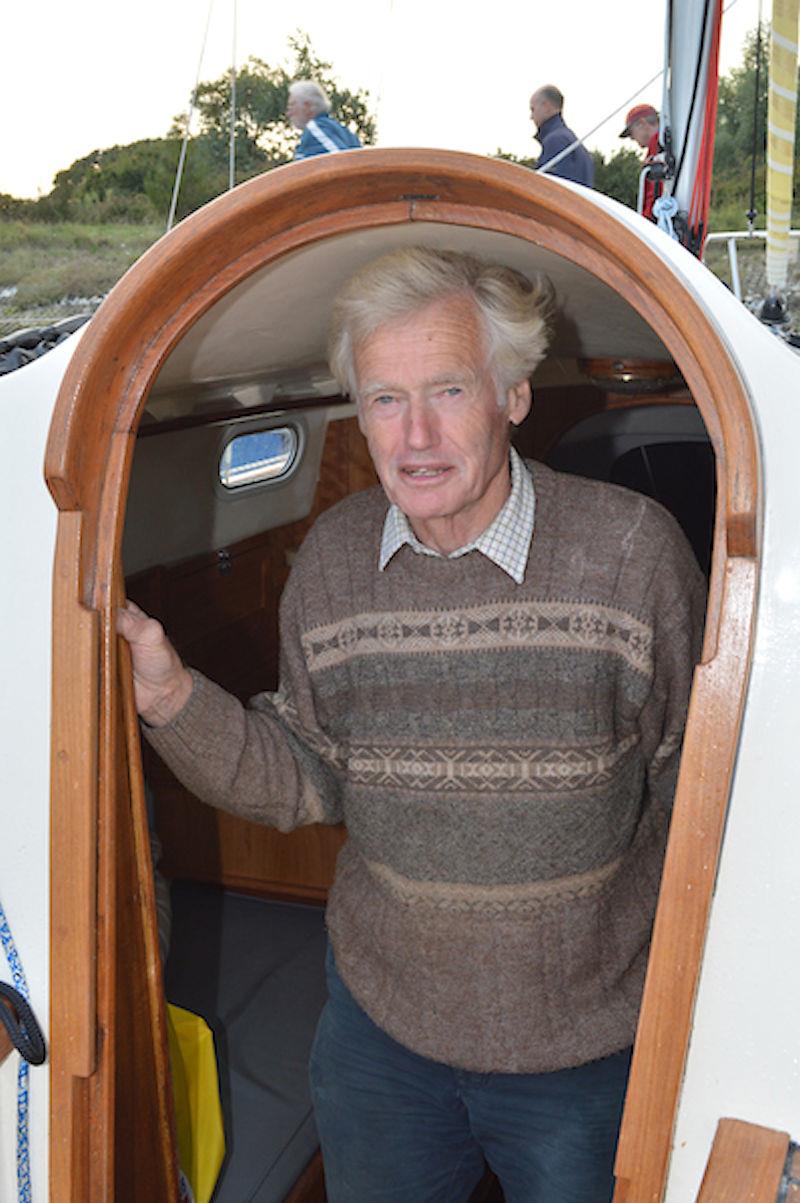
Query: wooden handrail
<point>746,1164</point>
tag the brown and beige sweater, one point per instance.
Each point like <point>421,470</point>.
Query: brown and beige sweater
<point>504,757</point>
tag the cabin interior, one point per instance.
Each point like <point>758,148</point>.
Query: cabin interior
<point>242,442</point>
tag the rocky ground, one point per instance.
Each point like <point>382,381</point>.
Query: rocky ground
<point>753,279</point>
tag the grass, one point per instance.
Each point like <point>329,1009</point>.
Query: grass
<point>51,271</point>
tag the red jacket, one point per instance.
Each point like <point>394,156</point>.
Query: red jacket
<point>652,188</point>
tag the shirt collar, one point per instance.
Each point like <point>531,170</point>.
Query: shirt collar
<point>506,541</point>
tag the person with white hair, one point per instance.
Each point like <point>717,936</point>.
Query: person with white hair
<point>308,109</point>
<point>485,667</point>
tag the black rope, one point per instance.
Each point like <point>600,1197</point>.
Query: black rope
<point>19,1021</point>
<point>751,212</point>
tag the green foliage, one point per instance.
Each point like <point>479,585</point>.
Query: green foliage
<point>509,158</point>
<point>134,183</point>
<point>618,176</point>
<point>263,136</point>
<point>738,107</point>
<point>119,184</point>
<point>13,207</point>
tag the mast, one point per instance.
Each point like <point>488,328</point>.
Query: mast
<point>781,114</point>
<point>689,113</point>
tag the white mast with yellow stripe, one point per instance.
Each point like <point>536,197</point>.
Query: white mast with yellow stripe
<point>780,138</point>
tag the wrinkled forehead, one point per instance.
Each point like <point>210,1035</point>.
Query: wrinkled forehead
<point>446,335</point>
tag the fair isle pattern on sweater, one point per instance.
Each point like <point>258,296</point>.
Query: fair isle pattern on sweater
<point>487,769</point>
<point>504,758</point>
<point>506,625</point>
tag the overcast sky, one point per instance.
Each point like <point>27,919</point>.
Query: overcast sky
<point>96,73</point>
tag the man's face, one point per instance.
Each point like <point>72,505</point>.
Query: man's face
<point>298,111</point>
<point>428,405</point>
<point>541,109</point>
<point>642,131</point>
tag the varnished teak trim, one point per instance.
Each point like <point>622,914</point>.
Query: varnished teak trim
<point>90,449</point>
<point>746,1164</point>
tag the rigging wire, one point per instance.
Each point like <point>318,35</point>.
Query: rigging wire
<point>579,141</point>
<point>382,69</point>
<point>752,211</point>
<point>562,154</point>
<point>184,144</point>
<point>232,139</point>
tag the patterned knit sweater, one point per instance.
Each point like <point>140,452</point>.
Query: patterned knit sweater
<point>504,757</point>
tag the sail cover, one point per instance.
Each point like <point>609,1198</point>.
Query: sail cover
<point>689,111</point>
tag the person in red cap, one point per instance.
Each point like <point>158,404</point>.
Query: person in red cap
<point>641,124</point>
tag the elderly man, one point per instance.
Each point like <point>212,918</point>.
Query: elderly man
<point>551,130</point>
<point>308,109</point>
<point>485,667</point>
<point>642,125</point>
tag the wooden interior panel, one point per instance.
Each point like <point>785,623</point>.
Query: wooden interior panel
<point>6,1047</point>
<point>746,1164</point>
<point>310,1186</point>
<point>222,614</point>
<point>555,410</point>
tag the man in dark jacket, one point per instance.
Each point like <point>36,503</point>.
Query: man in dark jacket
<point>546,104</point>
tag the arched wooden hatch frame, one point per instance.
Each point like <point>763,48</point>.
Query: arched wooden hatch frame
<point>88,464</point>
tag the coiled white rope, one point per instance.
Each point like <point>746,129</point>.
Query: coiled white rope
<point>23,1144</point>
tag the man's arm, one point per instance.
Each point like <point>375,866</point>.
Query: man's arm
<point>270,762</point>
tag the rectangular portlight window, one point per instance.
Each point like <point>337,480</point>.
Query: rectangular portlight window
<point>261,455</point>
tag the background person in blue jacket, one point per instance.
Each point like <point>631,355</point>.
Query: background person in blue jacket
<point>308,109</point>
<point>546,105</point>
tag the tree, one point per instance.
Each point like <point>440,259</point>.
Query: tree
<point>617,176</point>
<point>736,145</point>
<point>134,182</point>
<point>263,136</point>
<point>108,184</point>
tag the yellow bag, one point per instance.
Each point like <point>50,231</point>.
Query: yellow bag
<point>198,1114</point>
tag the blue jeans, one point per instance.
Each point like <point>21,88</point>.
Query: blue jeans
<point>398,1128</point>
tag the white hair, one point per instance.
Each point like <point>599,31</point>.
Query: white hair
<point>309,91</point>
<point>513,310</point>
